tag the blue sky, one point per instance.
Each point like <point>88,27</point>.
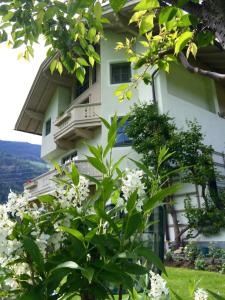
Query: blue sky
<point>16,77</point>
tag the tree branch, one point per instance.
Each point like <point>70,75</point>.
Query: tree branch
<point>196,70</point>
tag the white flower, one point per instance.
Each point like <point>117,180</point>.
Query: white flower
<point>18,205</point>
<point>131,182</point>
<point>73,196</point>
<point>200,294</point>
<point>158,286</point>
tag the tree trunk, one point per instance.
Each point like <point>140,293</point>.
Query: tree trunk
<point>173,213</point>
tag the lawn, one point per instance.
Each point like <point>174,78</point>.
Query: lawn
<point>181,280</point>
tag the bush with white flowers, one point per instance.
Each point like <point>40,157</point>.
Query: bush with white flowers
<point>75,243</point>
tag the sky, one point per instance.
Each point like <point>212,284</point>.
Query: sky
<point>16,78</point>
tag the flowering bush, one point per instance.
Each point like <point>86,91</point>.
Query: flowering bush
<point>75,244</point>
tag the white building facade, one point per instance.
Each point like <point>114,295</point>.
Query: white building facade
<point>66,114</point>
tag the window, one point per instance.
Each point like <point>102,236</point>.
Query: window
<point>69,158</point>
<point>120,73</point>
<point>122,139</point>
<point>80,88</point>
<point>48,127</point>
<point>90,79</point>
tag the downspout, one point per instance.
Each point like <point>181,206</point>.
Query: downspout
<point>153,86</point>
<point>164,226</point>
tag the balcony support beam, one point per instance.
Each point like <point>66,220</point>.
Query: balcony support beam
<point>84,133</point>
<point>65,144</point>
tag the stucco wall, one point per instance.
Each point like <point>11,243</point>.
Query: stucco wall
<point>188,97</point>
<point>61,98</point>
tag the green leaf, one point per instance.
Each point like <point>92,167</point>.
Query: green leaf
<point>80,74</point>
<point>106,124</point>
<point>177,297</point>
<point>117,5</point>
<point>46,198</point>
<point>8,16</point>
<point>82,62</point>
<point>132,201</point>
<point>166,14</point>
<point>147,5</point>
<point>57,167</point>
<point>91,61</point>
<point>77,234</point>
<point>67,264</point>
<point>75,176</point>
<point>34,253</point>
<point>92,34</point>
<point>133,223</point>
<point>135,269</point>
<point>148,254</point>
<point>204,38</point>
<point>182,41</point>
<point>88,273</point>
<point>147,23</point>
<point>193,49</point>
<point>129,94</point>
<point>97,164</point>
<point>137,16</point>
<point>59,67</point>
<point>215,295</point>
<point>98,10</point>
<point>121,89</point>
<point>158,198</point>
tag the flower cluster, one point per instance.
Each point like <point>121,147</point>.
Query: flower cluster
<point>158,287</point>
<point>200,294</point>
<point>133,181</point>
<point>73,195</point>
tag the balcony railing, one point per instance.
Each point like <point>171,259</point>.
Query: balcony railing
<point>44,184</point>
<point>78,121</point>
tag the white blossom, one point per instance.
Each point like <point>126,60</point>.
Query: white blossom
<point>18,205</point>
<point>200,294</point>
<point>131,182</point>
<point>158,286</point>
<point>74,195</point>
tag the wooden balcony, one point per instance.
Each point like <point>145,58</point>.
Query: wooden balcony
<point>78,121</point>
<point>44,183</point>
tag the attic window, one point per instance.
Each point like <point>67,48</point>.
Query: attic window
<point>48,127</point>
<point>120,72</point>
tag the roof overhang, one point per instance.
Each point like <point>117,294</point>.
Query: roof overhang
<point>32,114</point>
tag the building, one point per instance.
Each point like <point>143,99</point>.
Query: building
<point>66,113</point>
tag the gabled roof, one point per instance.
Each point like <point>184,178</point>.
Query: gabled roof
<point>31,117</point>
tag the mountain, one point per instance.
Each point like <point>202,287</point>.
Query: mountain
<point>19,162</point>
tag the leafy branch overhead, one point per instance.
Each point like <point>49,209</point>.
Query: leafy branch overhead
<point>73,29</point>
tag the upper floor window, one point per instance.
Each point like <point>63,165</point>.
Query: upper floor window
<point>120,72</point>
<point>122,138</point>
<point>90,78</point>
<point>48,127</point>
<point>70,158</point>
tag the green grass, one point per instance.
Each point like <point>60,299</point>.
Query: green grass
<point>181,280</point>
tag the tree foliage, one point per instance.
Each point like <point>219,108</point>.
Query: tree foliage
<point>72,29</point>
<point>191,156</point>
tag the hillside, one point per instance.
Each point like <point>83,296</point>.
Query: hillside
<point>19,162</point>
